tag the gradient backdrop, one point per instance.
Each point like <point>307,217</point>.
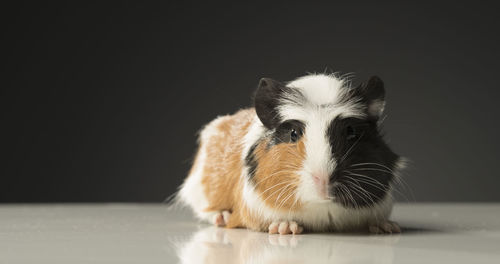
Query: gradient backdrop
<point>102,102</point>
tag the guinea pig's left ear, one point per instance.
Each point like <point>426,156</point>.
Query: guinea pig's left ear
<point>372,93</point>
<point>266,101</point>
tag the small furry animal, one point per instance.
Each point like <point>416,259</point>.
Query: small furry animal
<point>308,157</point>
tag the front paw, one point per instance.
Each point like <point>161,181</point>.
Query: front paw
<point>385,227</point>
<point>221,218</point>
<point>285,228</point>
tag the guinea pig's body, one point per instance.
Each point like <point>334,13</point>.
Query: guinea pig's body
<point>308,156</point>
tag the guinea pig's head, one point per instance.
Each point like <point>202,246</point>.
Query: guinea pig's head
<point>321,143</point>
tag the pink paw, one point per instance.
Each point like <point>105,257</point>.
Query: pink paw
<point>285,228</point>
<point>221,218</point>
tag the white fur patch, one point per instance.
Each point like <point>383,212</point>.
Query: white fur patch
<point>255,132</point>
<point>192,192</point>
<point>319,89</point>
<point>318,159</point>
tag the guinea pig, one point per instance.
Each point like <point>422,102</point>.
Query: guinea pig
<point>308,157</point>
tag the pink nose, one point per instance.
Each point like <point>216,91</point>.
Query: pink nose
<point>320,178</point>
<point>321,181</point>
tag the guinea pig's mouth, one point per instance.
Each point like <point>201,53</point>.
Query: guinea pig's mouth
<point>356,190</point>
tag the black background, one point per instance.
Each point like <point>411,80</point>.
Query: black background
<point>102,102</point>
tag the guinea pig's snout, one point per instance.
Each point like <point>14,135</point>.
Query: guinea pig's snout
<point>321,181</point>
<point>320,178</point>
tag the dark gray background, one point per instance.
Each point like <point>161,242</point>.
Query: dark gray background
<point>102,102</point>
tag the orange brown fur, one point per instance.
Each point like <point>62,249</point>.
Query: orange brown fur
<point>222,172</point>
<point>222,180</point>
<point>276,177</point>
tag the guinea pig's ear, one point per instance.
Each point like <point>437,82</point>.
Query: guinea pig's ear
<point>373,94</point>
<point>266,101</point>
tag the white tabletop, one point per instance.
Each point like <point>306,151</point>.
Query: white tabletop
<point>149,233</point>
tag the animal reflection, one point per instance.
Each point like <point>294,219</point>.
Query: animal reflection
<point>218,245</point>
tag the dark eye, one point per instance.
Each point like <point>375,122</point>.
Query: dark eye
<point>294,136</point>
<point>289,131</point>
<point>351,133</point>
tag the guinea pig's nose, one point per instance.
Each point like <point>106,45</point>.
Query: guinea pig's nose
<point>321,181</point>
<point>320,178</point>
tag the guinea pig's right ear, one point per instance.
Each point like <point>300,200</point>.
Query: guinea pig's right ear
<point>372,93</point>
<point>266,101</point>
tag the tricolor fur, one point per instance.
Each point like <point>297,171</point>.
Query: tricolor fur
<point>309,152</point>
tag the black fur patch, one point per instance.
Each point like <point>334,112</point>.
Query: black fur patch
<point>251,161</point>
<point>269,95</point>
<point>367,93</point>
<point>364,162</point>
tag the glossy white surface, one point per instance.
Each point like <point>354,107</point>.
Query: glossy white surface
<point>149,233</point>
